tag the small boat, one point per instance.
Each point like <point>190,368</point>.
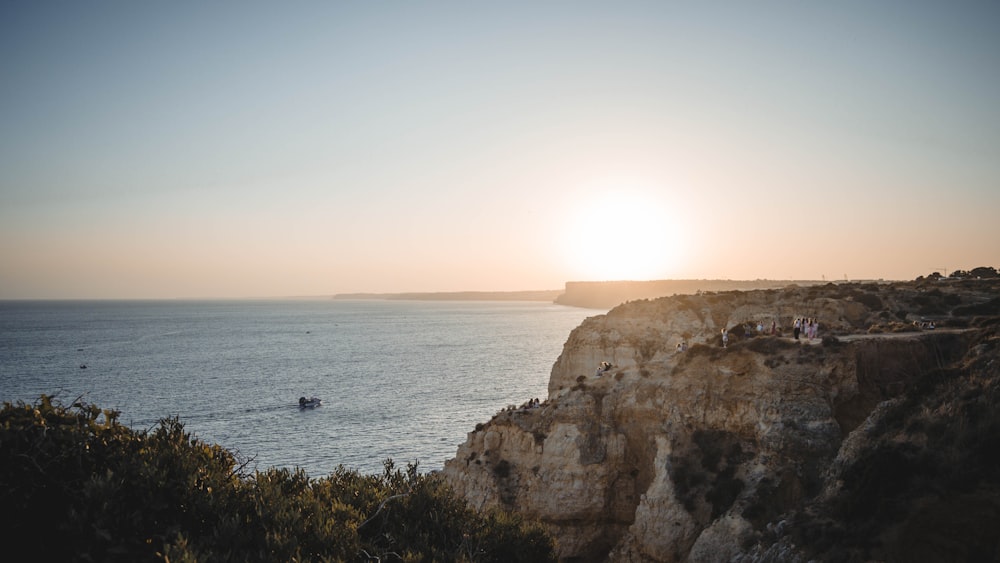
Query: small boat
<point>309,403</point>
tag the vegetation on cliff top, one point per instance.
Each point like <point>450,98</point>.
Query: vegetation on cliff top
<point>105,492</point>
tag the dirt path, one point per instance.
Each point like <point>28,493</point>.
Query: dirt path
<point>900,335</point>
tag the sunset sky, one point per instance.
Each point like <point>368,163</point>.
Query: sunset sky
<point>255,149</point>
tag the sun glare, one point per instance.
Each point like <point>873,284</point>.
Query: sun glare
<point>622,234</point>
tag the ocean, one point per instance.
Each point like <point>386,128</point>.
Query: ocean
<point>400,380</point>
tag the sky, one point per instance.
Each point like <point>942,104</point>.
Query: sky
<point>266,149</point>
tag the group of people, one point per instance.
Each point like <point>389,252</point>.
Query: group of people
<point>808,327</point>
<point>529,404</point>
<point>603,368</point>
<point>761,328</point>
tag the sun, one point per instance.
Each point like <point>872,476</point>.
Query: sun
<point>623,233</point>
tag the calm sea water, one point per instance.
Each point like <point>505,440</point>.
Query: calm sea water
<point>405,380</point>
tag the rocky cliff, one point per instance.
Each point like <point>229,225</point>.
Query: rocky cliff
<point>879,439</point>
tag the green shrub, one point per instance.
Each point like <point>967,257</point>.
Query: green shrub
<point>109,493</point>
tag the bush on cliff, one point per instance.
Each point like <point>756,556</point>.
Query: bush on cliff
<point>925,486</point>
<point>109,493</point>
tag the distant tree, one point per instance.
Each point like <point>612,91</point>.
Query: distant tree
<point>985,272</point>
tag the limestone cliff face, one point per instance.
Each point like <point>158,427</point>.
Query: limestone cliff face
<point>701,455</point>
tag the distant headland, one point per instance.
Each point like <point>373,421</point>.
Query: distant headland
<point>590,294</point>
<point>541,295</point>
<point>607,294</point>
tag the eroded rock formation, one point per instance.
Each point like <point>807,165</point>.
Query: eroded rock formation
<point>755,452</point>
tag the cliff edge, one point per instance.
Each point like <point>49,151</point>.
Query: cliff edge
<point>879,439</point>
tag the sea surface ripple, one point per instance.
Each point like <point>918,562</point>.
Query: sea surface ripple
<point>400,380</point>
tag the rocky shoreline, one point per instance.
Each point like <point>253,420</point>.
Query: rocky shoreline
<point>860,446</point>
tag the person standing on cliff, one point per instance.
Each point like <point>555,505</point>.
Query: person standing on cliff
<point>725,337</point>
<point>796,328</point>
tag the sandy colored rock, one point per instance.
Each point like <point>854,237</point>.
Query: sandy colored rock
<point>702,455</point>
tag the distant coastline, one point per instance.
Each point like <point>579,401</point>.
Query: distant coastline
<point>549,295</point>
<point>590,294</point>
